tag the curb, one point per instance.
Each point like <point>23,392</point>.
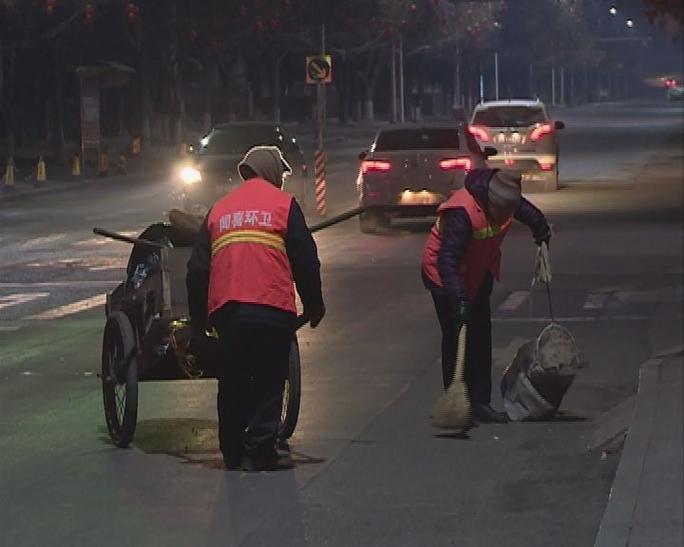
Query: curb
<point>66,185</point>
<point>617,523</point>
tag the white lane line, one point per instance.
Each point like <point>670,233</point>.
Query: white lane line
<point>595,301</point>
<point>514,300</point>
<point>42,241</point>
<point>20,298</point>
<point>579,319</point>
<point>70,309</point>
<point>9,328</point>
<point>47,284</point>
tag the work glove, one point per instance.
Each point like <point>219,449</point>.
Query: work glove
<point>460,310</point>
<point>316,316</point>
<point>542,234</point>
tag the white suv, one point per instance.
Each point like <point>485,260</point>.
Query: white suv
<point>524,136</point>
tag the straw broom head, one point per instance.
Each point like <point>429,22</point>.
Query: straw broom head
<point>452,410</point>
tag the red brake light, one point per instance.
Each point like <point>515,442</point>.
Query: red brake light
<point>451,164</point>
<point>541,131</point>
<point>380,166</point>
<point>479,132</point>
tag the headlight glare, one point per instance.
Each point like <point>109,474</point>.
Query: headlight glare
<point>190,175</point>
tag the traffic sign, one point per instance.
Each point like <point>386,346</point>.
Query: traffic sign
<point>318,69</point>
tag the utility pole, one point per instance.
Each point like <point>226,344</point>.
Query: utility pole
<point>394,81</point>
<point>496,75</point>
<point>562,85</point>
<point>320,97</point>
<point>401,79</point>
<point>481,86</point>
<point>553,84</point>
<point>457,78</point>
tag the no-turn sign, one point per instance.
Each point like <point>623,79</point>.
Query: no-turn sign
<point>319,69</point>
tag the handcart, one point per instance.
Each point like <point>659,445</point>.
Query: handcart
<point>148,335</point>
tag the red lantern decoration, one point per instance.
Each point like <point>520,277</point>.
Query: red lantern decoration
<point>89,14</point>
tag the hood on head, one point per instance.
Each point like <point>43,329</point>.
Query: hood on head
<point>266,162</point>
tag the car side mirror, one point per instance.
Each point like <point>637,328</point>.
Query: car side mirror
<point>489,151</point>
<point>362,155</point>
<point>559,125</point>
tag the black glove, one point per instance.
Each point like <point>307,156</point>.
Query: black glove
<point>316,316</point>
<point>460,310</point>
<point>542,234</point>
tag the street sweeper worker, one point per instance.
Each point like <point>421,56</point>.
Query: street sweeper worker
<point>460,262</point>
<point>252,248</point>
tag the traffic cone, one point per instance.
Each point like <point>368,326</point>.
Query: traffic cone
<point>8,177</point>
<point>75,166</point>
<point>103,164</point>
<point>122,164</point>
<point>136,146</point>
<point>41,172</point>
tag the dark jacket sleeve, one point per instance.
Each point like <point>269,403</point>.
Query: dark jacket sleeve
<point>531,216</point>
<point>456,234</point>
<point>197,277</point>
<point>303,255</point>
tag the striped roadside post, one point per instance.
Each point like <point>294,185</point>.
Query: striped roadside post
<point>319,173</point>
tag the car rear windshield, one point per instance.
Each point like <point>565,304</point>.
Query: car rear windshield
<point>238,140</point>
<point>509,116</point>
<point>417,139</point>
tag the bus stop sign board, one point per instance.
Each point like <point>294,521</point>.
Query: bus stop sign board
<point>319,69</point>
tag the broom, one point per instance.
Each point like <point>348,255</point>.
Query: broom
<point>452,410</point>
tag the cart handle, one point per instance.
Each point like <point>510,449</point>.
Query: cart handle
<point>336,219</point>
<point>133,240</point>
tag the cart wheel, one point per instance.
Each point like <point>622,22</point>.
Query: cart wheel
<point>119,379</point>
<point>291,394</point>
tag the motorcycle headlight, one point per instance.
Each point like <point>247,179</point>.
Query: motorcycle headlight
<point>190,175</point>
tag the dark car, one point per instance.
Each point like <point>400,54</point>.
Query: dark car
<point>212,169</point>
<point>410,169</point>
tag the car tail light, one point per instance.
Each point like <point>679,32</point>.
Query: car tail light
<point>509,162</point>
<point>541,131</point>
<point>379,166</point>
<point>479,132</point>
<point>546,166</point>
<point>452,164</point>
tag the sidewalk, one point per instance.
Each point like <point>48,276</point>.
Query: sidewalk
<point>645,507</point>
<point>152,164</point>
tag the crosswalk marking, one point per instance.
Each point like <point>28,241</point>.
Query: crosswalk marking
<point>514,300</point>
<point>42,241</point>
<point>47,284</point>
<point>70,309</point>
<point>20,298</point>
<point>595,301</point>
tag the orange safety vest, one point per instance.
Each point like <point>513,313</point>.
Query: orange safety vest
<point>249,262</point>
<point>483,253</point>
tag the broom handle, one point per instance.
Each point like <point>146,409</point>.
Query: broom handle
<point>460,353</point>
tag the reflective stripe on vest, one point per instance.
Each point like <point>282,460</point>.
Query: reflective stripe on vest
<point>248,236</point>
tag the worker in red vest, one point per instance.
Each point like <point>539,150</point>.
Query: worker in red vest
<point>460,262</point>
<point>252,249</point>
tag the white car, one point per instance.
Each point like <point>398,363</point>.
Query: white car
<point>524,136</point>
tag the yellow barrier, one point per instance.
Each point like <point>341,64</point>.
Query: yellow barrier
<point>8,177</point>
<point>75,166</point>
<point>122,164</point>
<point>103,165</point>
<point>41,171</point>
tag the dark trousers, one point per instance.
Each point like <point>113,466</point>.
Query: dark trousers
<point>478,363</point>
<point>252,372</point>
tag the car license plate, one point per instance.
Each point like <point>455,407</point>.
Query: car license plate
<point>421,197</point>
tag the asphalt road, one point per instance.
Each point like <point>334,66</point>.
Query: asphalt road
<point>370,469</point>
